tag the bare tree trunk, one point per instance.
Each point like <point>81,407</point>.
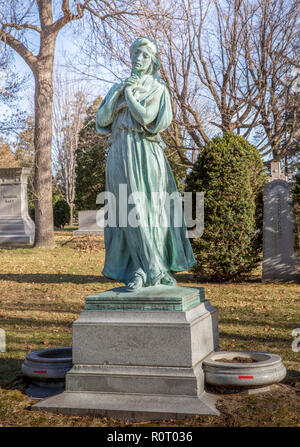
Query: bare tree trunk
<point>44,233</point>
<point>69,110</point>
<point>42,68</point>
<point>71,213</point>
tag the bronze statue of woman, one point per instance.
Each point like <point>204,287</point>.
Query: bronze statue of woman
<point>134,113</point>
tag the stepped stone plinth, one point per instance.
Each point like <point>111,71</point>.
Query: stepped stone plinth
<point>138,355</point>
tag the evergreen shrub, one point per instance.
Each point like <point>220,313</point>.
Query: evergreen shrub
<point>230,172</point>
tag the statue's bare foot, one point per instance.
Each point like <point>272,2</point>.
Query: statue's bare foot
<point>168,280</point>
<point>135,283</point>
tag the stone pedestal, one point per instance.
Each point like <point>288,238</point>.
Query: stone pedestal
<point>16,227</point>
<point>139,355</point>
<point>90,222</point>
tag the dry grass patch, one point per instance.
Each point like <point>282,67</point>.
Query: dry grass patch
<point>42,292</point>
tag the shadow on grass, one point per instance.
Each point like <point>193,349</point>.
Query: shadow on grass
<point>85,279</point>
<point>33,323</point>
<point>67,228</point>
<point>11,376</point>
<point>51,307</point>
<point>5,247</point>
<point>246,337</point>
<point>189,277</point>
<point>292,378</point>
<point>57,278</point>
<point>249,322</point>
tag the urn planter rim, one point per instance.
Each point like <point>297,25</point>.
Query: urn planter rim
<point>43,355</point>
<point>262,359</point>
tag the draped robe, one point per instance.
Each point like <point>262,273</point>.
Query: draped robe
<point>136,158</point>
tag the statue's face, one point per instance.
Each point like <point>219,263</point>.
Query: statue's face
<point>141,60</point>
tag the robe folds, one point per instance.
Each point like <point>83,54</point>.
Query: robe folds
<point>136,159</point>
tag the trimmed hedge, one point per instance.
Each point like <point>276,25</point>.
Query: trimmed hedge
<point>230,172</point>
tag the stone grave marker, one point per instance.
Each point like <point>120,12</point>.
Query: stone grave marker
<point>91,221</point>
<point>279,259</point>
<point>16,227</point>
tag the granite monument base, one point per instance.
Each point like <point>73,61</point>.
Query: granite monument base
<point>16,231</point>
<point>138,355</point>
<point>16,227</point>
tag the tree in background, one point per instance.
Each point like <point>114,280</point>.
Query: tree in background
<point>229,66</point>
<point>7,157</point>
<point>231,174</point>
<point>16,21</point>
<point>11,85</point>
<point>90,161</point>
<point>291,148</point>
<point>24,151</point>
<point>24,145</point>
<point>44,19</point>
<point>270,45</point>
<point>296,206</point>
<point>69,111</point>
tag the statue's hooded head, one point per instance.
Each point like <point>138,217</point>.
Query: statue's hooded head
<point>149,45</point>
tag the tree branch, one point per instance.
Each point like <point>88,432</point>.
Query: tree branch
<point>68,16</point>
<point>19,47</point>
<point>21,26</point>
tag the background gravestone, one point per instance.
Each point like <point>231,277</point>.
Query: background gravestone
<point>279,259</point>
<point>16,227</point>
<point>91,221</point>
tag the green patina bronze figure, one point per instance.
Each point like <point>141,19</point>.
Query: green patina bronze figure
<point>134,113</point>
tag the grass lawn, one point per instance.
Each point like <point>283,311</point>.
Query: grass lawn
<point>42,292</point>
